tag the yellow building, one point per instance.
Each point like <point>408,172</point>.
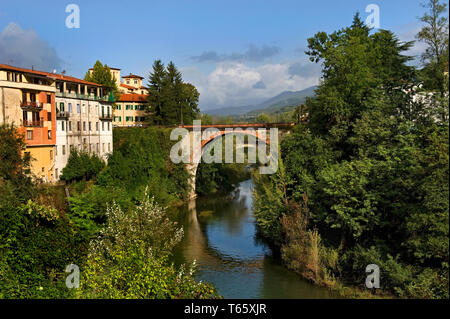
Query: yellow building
<point>130,110</point>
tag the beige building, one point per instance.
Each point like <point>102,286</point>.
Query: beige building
<point>130,110</point>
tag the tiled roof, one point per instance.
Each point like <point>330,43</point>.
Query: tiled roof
<point>133,98</point>
<point>47,74</point>
<point>132,76</point>
<point>128,86</point>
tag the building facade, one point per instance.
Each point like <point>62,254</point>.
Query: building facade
<point>27,100</point>
<point>130,110</point>
<point>55,113</point>
<point>83,116</point>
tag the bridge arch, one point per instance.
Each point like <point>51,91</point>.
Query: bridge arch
<point>197,151</point>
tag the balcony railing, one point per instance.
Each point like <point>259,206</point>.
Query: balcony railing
<point>105,116</point>
<point>31,105</point>
<point>82,96</point>
<point>62,114</point>
<point>39,123</point>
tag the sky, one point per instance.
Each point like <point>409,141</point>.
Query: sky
<point>236,53</point>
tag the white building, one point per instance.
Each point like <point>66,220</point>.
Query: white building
<point>83,120</point>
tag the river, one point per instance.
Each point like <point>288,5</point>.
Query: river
<point>220,234</point>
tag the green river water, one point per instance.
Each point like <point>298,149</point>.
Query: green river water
<point>220,234</point>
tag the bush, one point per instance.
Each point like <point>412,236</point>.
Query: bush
<point>81,166</point>
<point>129,258</point>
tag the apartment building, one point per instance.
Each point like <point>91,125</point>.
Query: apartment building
<point>27,100</point>
<point>130,110</point>
<point>56,113</point>
<point>83,116</point>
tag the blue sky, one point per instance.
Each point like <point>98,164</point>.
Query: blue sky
<point>235,52</point>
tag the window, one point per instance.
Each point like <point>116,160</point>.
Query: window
<point>79,126</point>
<point>96,126</point>
<point>78,109</point>
<point>128,81</point>
<point>70,107</point>
<point>119,107</point>
<point>84,126</point>
<point>56,150</point>
<point>51,154</point>
<point>56,173</point>
<point>103,126</point>
<point>49,116</point>
<point>49,98</point>
<point>62,126</point>
<point>29,135</point>
<point>135,81</point>
<point>109,127</point>
<point>63,150</point>
<point>90,127</point>
<point>70,126</point>
<point>61,107</point>
<point>49,134</point>
<point>129,107</point>
<point>103,147</point>
<point>109,147</point>
<point>98,148</point>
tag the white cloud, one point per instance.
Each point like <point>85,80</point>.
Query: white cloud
<point>407,33</point>
<point>237,84</point>
<point>25,48</point>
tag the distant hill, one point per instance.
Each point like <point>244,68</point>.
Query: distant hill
<point>273,105</point>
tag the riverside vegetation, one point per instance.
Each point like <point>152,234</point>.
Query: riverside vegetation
<point>112,226</point>
<point>366,179</point>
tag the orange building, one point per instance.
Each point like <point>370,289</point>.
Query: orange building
<point>27,100</point>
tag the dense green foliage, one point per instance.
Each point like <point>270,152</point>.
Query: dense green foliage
<point>101,74</point>
<point>129,258</point>
<point>111,225</point>
<point>81,166</point>
<point>171,101</point>
<point>36,241</point>
<point>370,168</point>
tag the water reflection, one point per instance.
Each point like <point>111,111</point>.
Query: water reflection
<point>220,234</point>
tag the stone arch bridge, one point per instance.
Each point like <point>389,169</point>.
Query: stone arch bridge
<point>208,134</point>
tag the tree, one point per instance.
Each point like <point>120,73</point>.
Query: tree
<point>130,258</point>
<point>263,118</point>
<point>171,101</point>
<point>101,74</point>
<point>81,165</point>
<point>156,93</point>
<point>435,34</point>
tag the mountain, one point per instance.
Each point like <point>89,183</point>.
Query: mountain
<point>272,105</point>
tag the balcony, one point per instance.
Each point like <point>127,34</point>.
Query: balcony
<point>82,96</point>
<point>62,114</point>
<point>27,123</point>
<point>105,117</point>
<point>31,105</point>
